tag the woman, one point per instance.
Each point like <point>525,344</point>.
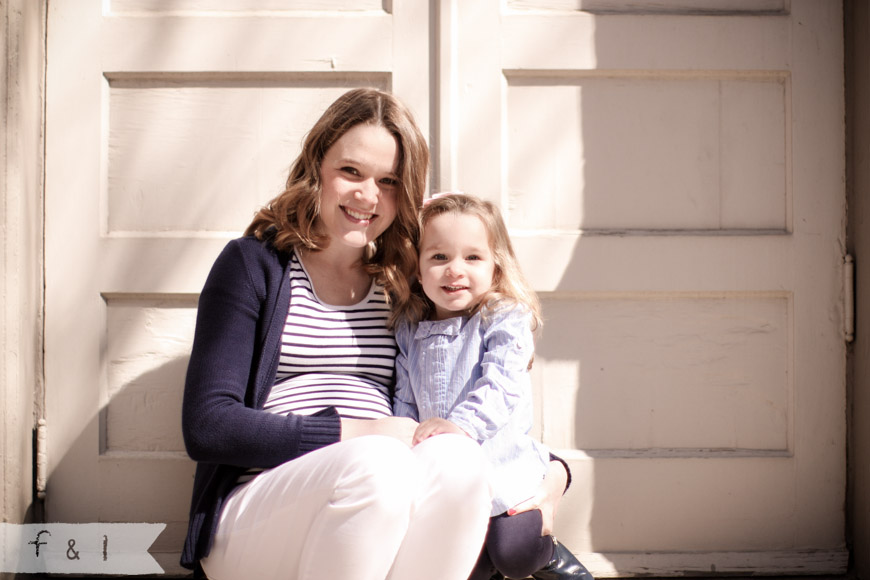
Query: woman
<point>302,472</point>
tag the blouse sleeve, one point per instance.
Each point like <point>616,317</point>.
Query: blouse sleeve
<point>404,401</point>
<point>218,422</point>
<point>504,382</point>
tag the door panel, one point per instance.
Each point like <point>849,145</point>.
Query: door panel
<point>726,136</point>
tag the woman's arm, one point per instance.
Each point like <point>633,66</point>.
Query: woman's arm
<point>218,423</point>
<point>401,428</point>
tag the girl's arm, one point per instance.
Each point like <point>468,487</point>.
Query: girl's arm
<point>548,495</point>
<point>404,401</point>
<point>504,382</point>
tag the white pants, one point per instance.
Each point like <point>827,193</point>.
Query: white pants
<point>369,509</point>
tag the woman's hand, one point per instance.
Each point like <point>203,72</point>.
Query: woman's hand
<point>402,428</point>
<point>547,497</point>
<point>435,426</point>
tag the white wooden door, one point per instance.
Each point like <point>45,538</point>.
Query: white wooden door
<point>672,173</point>
<point>168,124</point>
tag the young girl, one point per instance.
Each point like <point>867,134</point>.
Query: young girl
<point>465,346</point>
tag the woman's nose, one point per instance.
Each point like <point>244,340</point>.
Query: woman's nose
<point>367,191</point>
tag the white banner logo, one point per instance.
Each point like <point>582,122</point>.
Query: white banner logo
<point>79,548</point>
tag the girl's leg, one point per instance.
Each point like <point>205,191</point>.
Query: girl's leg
<point>515,546</point>
<point>450,514</point>
<point>484,568</point>
<point>339,512</point>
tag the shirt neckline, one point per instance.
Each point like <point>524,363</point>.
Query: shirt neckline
<point>365,300</point>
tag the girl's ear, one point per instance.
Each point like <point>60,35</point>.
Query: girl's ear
<point>496,276</point>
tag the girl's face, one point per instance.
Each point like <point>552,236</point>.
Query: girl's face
<point>456,263</point>
<point>360,186</point>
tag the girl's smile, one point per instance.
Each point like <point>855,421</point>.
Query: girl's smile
<point>456,263</point>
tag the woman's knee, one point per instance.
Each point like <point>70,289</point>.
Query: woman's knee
<point>381,471</point>
<point>458,466</point>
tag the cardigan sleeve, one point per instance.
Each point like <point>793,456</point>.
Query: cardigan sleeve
<point>219,422</point>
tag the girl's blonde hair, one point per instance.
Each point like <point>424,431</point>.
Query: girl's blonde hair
<point>509,286</point>
<point>291,219</point>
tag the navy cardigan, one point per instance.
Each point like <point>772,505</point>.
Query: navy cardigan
<point>241,315</point>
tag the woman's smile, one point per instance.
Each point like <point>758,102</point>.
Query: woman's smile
<point>359,215</point>
<point>358,199</point>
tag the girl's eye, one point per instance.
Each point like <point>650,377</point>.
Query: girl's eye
<point>473,257</point>
<point>439,257</point>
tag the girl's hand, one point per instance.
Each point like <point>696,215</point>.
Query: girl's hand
<point>547,497</point>
<point>402,428</point>
<point>435,426</point>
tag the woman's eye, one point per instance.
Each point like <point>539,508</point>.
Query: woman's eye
<point>351,170</point>
<point>389,181</point>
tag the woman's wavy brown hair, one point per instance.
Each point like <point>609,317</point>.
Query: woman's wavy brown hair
<point>509,285</point>
<point>292,218</point>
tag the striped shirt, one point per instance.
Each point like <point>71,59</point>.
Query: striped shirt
<point>339,356</point>
<point>333,356</point>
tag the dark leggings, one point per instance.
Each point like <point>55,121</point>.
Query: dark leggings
<point>513,546</point>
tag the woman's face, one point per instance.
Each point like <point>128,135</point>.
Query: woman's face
<point>359,186</point>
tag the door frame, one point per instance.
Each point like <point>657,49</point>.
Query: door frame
<point>21,264</point>
<point>856,16</point>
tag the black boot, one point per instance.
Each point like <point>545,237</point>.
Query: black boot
<point>563,566</point>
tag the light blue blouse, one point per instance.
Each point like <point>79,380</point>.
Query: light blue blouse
<point>474,373</point>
